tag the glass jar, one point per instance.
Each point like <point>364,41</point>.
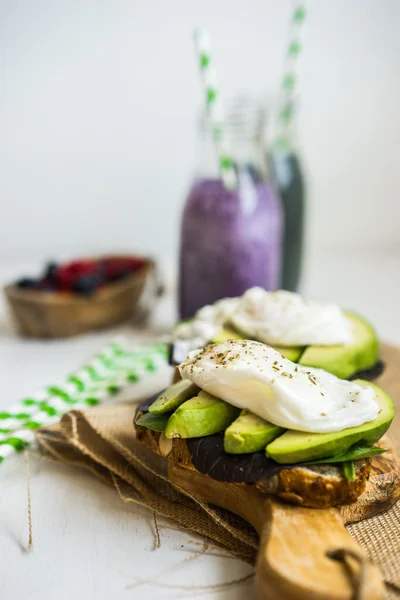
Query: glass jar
<point>288,176</point>
<point>230,238</point>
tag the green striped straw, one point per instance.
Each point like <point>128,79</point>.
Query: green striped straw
<point>115,369</point>
<point>287,92</point>
<point>214,108</point>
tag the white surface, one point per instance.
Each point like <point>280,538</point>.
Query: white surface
<point>98,105</point>
<point>87,543</point>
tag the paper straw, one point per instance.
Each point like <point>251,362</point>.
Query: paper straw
<point>117,367</point>
<point>214,108</point>
<point>287,92</point>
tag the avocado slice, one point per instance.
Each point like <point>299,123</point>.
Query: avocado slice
<point>173,397</point>
<point>203,415</point>
<point>345,360</point>
<point>227,333</point>
<point>293,353</point>
<point>300,446</point>
<point>249,433</point>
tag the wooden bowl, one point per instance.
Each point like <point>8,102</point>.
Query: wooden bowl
<point>63,314</point>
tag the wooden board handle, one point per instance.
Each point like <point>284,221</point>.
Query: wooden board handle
<point>308,554</point>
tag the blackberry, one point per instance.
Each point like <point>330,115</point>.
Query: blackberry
<point>87,284</point>
<point>27,283</point>
<point>50,271</point>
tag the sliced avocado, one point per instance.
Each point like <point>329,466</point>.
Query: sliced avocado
<point>154,422</point>
<point>345,360</point>
<point>173,397</point>
<point>227,332</point>
<point>249,433</point>
<point>293,353</point>
<point>299,446</point>
<point>203,415</point>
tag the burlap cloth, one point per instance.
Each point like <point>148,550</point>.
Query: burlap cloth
<point>102,440</point>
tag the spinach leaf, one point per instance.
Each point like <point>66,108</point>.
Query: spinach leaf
<point>154,422</point>
<point>354,453</point>
<point>349,470</point>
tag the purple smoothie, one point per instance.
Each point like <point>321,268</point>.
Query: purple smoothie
<point>230,241</point>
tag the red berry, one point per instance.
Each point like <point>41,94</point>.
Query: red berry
<point>67,274</point>
<point>115,267</point>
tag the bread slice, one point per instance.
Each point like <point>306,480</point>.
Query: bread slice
<point>317,486</point>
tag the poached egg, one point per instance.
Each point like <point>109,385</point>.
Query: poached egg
<point>252,375</point>
<point>285,319</point>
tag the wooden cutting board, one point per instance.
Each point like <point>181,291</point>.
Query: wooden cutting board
<point>296,543</point>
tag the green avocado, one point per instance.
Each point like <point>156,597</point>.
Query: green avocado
<point>203,415</point>
<point>173,397</point>
<point>293,353</point>
<point>227,333</point>
<point>300,446</point>
<point>249,433</point>
<point>345,360</point>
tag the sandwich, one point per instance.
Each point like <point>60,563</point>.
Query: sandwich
<point>243,412</point>
<point>309,333</point>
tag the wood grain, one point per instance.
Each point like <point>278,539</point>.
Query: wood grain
<point>292,561</point>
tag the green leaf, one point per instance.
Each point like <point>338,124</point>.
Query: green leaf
<point>349,470</point>
<point>154,422</point>
<point>354,453</point>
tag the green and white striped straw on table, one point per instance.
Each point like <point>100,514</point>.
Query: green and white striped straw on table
<point>117,368</point>
<point>214,108</point>
<point>287,92</point>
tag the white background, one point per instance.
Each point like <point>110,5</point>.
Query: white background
<point>97,117</point>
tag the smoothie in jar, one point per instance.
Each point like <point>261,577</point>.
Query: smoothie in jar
<point>230,239</point>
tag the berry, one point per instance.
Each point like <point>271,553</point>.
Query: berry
<point>68,274</point>
<point>50,271</point>
<point>87,284</point>
<point>121,267</point>
<point>26,283</point>
<point>46,285</point>
<point>121,274</point>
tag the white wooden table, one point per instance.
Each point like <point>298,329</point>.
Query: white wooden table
<point>87,543</point>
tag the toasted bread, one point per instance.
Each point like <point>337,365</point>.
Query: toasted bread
<point>317,486</point>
